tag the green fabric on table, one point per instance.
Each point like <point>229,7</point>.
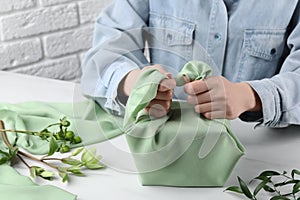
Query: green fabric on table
<point>14,186</point>
<point>182,148</point>
<point>87,119</point>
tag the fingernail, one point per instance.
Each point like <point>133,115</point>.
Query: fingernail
<point>186,80</point>
<point>169,75</point>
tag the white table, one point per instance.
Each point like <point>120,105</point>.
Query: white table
<point>266,148</point>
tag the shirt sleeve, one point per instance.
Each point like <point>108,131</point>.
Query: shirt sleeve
<point>280,94</point>
<point>117,49</point>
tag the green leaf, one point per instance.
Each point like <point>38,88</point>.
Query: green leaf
<point>77,151</point>
<point>296,188</point>
<point>286,183</point>
<point>88,155</point>
<point>62,169</point>
<point>4,153</point>
<point>64,176</point>
<point>13,152</point>
<point>245,188</point>
<point>75,170</point>
<point>3,160</point>
<point>235,189</point>
<point>94,166</point>
<point>32,172</point>
<point>37,169</point>
<point>295,171</point>
<point>270,173</point>
<point>53,146</point>
<point>260,186</point>
<point>279,198</point>
<point>263,178</point>
<point>47,175</point>
<point>71,161</point>
<point>77,173</point>
<point>268,189</point>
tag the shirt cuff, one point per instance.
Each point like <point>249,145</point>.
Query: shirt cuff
<point>271,102</point>
<point>111,78</point>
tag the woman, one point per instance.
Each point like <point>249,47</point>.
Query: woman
<point>252,46</point>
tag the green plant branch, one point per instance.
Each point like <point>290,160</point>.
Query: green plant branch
<point>267,184</point>
<point>58,159</point>
<point>3,134</point>
<point>20,131</point>
<point>19,153</point>
<point>89,159</point>
<point>37,159</point>
<point>23,161</point>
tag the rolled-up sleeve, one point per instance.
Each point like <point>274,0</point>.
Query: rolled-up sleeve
<point>117,49</point>
<point>280,95</point>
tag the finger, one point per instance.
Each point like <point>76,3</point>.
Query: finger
<point>156,111</point>
<point>203,108</point>
<point>167,95</point>
<point>160,104</point>
<point>185,78</point>
<point>195,87</point>
<point>200,98</point>
<point>215,115</point>
<point>169,75</point>
<point>166,84</point>
<point>210,107</point>
<point>160,68</point>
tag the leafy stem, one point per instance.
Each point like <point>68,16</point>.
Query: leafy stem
<point>265,182</point>
<point>59,141</point>
<point>36,159</point>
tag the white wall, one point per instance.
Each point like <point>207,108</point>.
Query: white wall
<point>46,38</point>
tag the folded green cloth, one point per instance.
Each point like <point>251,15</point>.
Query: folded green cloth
<point>182,148</point>
<point>14,186</point>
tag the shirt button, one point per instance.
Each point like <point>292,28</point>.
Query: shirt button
<point>218,36</point>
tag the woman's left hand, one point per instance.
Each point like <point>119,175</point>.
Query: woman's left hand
<point>217,97</point>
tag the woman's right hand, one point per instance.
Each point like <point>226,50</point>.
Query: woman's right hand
<point>161,104</point>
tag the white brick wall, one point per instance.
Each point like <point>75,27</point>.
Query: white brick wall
<point>47,37</point>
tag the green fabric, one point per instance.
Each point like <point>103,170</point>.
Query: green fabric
<point>87,119</point>
<point>182,148</point>
<point>14,186</point>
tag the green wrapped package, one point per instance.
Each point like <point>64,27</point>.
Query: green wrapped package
<point>182,148</point>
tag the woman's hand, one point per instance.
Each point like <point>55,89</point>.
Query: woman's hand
<point>216,97</point>
<point>161,104</point>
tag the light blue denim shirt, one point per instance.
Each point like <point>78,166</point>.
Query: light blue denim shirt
<point>257,41</point>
